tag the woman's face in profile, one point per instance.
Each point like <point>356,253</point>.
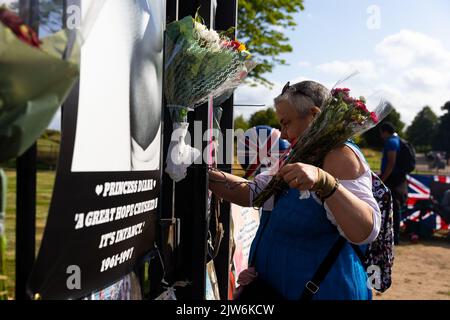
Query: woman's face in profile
<point>292,124</point>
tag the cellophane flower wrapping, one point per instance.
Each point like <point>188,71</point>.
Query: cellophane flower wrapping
<point>34,81</point>
<point>342,117</point>
<point>200,64</point>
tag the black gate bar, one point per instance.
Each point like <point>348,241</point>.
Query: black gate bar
<point>26,187</point>
<point>226,19</point>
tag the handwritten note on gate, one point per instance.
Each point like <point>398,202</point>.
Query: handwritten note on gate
<point>245,225</point>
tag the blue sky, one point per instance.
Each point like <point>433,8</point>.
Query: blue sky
<point>401,49</point>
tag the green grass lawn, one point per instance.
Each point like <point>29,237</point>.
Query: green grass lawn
<point>45,181</point>
<point>373,158</point>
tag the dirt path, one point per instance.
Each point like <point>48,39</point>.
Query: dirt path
<point>421,272</point>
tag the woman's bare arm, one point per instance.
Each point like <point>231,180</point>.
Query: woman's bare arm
<point>229,187</point>
<point>354,216</point>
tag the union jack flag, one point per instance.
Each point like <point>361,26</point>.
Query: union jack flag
<point>422,189</point>
<point>260,147</point>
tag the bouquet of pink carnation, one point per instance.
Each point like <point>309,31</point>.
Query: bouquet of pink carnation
<point>342,117</point>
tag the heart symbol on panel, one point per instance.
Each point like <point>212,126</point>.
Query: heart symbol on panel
<point>99,189</point>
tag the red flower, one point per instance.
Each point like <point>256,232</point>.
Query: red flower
<point>344,91</point>
<point>349,100</point>
<point>235,44</point>
<point>360,105</point>
<point>374,117</point>
<point>18,26</point>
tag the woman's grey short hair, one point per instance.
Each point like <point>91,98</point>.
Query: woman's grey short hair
<point>304,95</point>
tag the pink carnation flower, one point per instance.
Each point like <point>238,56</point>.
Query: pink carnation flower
<point>360,105</point>
<point>374,117</point>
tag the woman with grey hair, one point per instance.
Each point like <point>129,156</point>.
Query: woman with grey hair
<point>295,236</point>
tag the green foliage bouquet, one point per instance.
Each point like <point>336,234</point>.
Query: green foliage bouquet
<point>201,64</point>
<point>34,81</point>
<point>342,117</point>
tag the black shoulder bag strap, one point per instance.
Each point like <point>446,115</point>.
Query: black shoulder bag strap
<point>313,286</point>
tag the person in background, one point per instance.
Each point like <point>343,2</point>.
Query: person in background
<point>440,162</point>
<point>263,146</point>
<point>391,173</point>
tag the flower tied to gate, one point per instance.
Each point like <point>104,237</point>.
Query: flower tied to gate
<point>238,46</point>
<point>241,47</point>
<point>235,45</point>
<point>19,28</point>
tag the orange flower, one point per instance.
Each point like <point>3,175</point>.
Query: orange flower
<point>242,47</point>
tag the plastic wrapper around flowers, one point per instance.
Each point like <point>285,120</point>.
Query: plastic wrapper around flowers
<point>200,64</point>
<point>33,84</point>
<point>35,78</point>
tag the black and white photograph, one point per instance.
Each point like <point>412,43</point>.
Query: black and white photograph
<point>120,104</point>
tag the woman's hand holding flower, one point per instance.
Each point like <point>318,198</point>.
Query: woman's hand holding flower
<point>306,177</point>
<point>300,176</point>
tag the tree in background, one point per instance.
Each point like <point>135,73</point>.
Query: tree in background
<point>266,117</point>
<point>261,25</point>
<point>241,123</point>
<point>441,142</point>
<point>372,139</point>
<point>421,132</point>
